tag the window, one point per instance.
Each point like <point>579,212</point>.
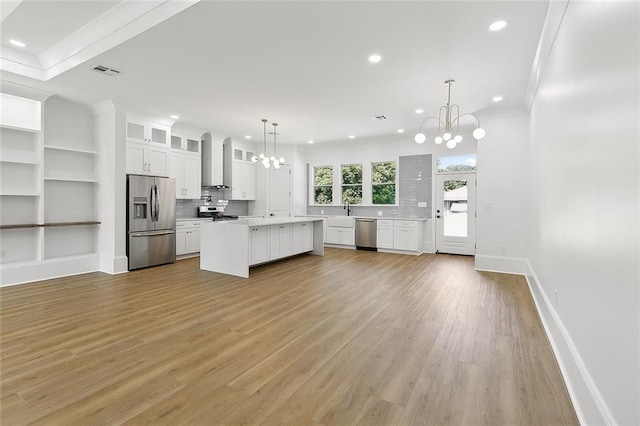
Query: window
<point>458,163</point>
<point>383,183</point>
<point>323,185</point>
<point>351,183</point>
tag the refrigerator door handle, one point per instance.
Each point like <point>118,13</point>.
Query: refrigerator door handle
<point>155,188</point>
<point>152,205</point>
<point>152,233</point>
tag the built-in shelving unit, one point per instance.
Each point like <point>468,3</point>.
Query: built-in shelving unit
<point>48,190</point>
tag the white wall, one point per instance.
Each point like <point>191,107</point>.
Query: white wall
<point>503,195</point>
<point>584,207</point>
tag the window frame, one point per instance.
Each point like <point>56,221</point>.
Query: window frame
<point>361,184</point>
<point>314,186</point>
<point>394,183</point>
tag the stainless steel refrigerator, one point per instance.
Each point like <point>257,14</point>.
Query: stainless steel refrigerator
<point>151,221</point>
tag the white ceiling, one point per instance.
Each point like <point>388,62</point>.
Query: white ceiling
<point>222,66</point>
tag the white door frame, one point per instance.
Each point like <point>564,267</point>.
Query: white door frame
<point>450,243</point>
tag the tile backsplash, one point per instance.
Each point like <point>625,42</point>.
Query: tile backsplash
<point>186,209</point>
<point>414,186</point>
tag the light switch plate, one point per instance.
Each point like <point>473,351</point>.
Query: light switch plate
<point>379,212</point>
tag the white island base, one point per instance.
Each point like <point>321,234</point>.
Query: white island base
<point>231,247</point>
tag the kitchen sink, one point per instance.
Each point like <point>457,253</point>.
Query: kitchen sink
<point>340,221</point>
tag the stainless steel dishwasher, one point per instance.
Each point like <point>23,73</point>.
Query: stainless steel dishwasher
<point>366,230</point>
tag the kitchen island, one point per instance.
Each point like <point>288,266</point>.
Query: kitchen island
<point>231,247</point>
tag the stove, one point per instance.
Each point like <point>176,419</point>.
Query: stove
<point>215,213</point>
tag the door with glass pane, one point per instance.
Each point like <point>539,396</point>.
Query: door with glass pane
<point>455,213</point>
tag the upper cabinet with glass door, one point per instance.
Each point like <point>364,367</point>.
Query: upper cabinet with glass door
<point>139,131</point>
<point>188,143</point>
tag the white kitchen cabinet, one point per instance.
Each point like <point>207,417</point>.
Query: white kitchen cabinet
<point>185,169</point>
<point>405,235</point>
<point>243,181</point>
<point>187,237</point>
<point>144,159</point>
<point>186,143</point>
<point>340,235</point>
<point>258,244</point>
<point>145,132</point>
<point>279,241</point>
<point>239,170</point>
<point>384,234</point>
<point>301,237</point>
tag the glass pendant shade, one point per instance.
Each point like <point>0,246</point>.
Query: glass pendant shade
<point>458,139</point>
<point>420,138</point>
<point>451,144</point>
<point>446,136</point>
<point>479,133</point>
<point>438,140</point>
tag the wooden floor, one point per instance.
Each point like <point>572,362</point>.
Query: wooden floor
<point>353,337</point>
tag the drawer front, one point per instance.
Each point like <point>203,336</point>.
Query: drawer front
<point>385,223</point>
<point>406,224</point>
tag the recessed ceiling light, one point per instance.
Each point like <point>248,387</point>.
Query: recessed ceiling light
<point>375,58</point>
<point>17,43</point>
<point>309,141</point>
<point>498,25</point>
<point>351,137</point>
<point>419,111</point>
<point>247,137</point>
<point>175,117</point>
<point>496,98</point>
<point>400,130</point>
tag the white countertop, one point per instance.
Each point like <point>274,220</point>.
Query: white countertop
<point>266,222</point>
<point>370,217</point>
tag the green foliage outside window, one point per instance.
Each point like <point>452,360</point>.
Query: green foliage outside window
<point>383,183</point>
<point>323,185</point>
<point>351,183</point>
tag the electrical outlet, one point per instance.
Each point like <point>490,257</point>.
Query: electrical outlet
<point>379,212</point>
<point>321,211</point>
<point>555,297</point>
<point>422,204</point>
<point>3,254</point>
<point>503,249</point>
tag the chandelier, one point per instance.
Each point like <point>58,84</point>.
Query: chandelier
<point>266,160</point>
<point>446,131</point>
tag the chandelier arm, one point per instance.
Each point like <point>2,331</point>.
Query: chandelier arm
<point>467,113</point>
<point>430,117</point>
<point>457,119</point>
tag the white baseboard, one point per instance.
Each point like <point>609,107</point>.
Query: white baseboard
<point>590,407</point>
<point>38,270</point>
<point>507,265</point>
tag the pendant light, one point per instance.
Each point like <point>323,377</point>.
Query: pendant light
<point>264,157</point>
<point>446,127</point>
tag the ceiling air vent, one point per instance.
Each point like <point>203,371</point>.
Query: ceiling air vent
<point>380,117</point>
<point>105,70</point>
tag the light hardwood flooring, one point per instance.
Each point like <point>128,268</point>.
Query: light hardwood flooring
<point>353,337</point>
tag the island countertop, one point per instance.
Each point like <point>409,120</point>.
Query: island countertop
<point>259,221</point>
<point>232,246</point>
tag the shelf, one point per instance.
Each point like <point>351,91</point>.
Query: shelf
<point>71,166</point>
<point>79,151</point>
<point>70,179</point>
<point>50,224</point>
<point>78,223</point>
<point>19,161</point>
<point>9,193</point>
